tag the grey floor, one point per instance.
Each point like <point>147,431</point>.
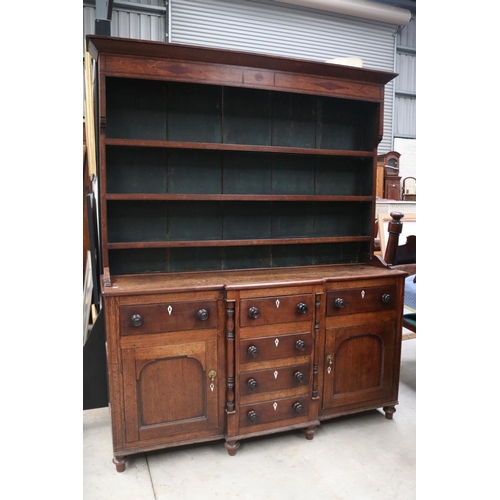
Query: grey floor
<point>359,457</point>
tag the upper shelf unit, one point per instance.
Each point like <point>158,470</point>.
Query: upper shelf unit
<point>213,159</point>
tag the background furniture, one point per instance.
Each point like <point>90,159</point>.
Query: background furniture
<point>387,223</point>
<point>409,191</point>
<point>237,199</point>
<point>392,179</point>
<point>404,257</point>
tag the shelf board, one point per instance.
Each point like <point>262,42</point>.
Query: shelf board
<point>234,197</point>
<point>238,147</point>
<point>232,243</point>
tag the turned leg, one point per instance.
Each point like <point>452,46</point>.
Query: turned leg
<point>120,463</point>
<point>389,411</point>
<point>309,432</point>
<point>232,447</point>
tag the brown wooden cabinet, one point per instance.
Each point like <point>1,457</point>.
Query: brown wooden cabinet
<point>236,202</point>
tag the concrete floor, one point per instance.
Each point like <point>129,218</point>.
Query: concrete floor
<point>360,457</point>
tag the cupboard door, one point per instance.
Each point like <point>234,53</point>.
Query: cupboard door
<point>170,390</point>
<point>359,363</point>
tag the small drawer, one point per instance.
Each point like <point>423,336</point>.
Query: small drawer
<point>275,379</point>
<point>274,410</point>
<point>360,300</point>
<point>281,346</point>
<point>273,310</point>
<point>174,316</point>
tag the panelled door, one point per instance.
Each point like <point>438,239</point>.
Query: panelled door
<point>169,390</point>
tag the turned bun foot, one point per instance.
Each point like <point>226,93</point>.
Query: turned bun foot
<point>120,463</point>
<point>309,432</point>
<point>389,412</point>
<point>232,447</point>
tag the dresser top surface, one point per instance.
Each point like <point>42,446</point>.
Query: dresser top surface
<point>241,279</point>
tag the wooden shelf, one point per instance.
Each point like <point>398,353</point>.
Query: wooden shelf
<point>233,197</point>
<point>232,243</point>
<point>237,147</point>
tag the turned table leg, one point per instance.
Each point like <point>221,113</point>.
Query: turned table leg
<point>389,411</point>
<point>232,447</point>
<point>120,463</point>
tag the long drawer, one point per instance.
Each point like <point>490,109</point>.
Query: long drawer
<point>360,300</point>
<point>167,317</point>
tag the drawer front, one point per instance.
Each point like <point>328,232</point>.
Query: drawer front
<point>360,300</point>
<point>272,310</point>
<point>273,410</point>
<point>282,346</point>
<point>174,316</point>
<point>261,381</point>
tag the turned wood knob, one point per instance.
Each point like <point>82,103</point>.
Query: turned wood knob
<point>136,320</point>
<point>253,351</point>
<point>339,303</point>
<point>253,384</point>
<point>203,314</point>
<point>253,312</point>
<point>252,416</point>
<point>301,308</point>
<point>387,298</point>
<point>300,345</point>
<point>297,407</point>
<point>298,376</point>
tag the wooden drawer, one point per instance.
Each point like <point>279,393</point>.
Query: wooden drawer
<point>271,310</point>
<point>360,300</point>
<point>174,316</point>
<point>273,410</point>
<point>274,379</point>
<point>281,346</point>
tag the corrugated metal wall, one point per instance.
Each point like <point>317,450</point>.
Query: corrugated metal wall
<point>405,83</point>
<point>142,19</point>
<point>263,27</point>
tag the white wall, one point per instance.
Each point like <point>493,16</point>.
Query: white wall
<point>407,148</point>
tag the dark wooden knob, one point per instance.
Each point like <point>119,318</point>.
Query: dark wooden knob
<point>136,320</point>
<point>297,407</point>
<point>252,416</point>
<point>203,314</point>
<point>300,345</point>
<point>298,376</point>
<point>253,351</point>
<point>301,308</point>
<point>387,298</point>
<point>253,384</point>
<point>253,312</point>
<point>339,303</point>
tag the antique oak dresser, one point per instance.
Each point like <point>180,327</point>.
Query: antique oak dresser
<point>241,292</point>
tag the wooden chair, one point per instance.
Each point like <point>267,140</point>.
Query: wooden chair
<point>400,256</point>
<point>403,257</point>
